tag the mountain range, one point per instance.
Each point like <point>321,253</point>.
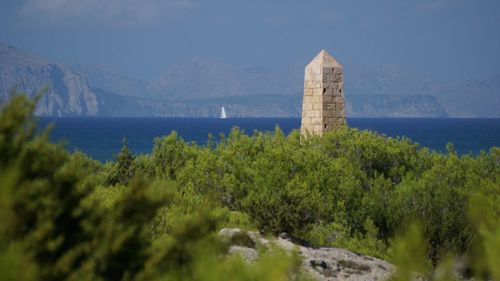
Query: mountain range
<point>200,86</point>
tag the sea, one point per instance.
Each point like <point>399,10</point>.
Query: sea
<point>102,138</point>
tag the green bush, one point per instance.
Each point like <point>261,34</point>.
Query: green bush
<point>145,217</point>
<point>67,217</point>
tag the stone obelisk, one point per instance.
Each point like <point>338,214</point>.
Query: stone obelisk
<point>323,104</point>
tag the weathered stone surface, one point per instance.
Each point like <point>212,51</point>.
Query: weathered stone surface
<point>323,264</point>
<point>339,264</point>
<point>323,102</point>
<point>68,92</point>
<point>246,253</point>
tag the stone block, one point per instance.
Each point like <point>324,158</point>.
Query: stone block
<point>307,106</point>
<point>328,106</point>
<point>338,113</point>
<point>318,92</point>
<point>328,70</point>
<point>317,106</point>
<point>330,91</point>
<point>307,127</point>
<point>316,99</point>
<point>328,99</point>
<point>309,76</point>
<point>307,100</point>
<point>308,113</point>
<point>316,120</point>
<point>309,84</point>
<point>331,127</point>
<point>336,92</point>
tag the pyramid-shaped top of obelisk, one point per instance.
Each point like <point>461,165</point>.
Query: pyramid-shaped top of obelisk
<point>324,59</point>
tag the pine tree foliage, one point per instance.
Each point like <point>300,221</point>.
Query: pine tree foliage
<point>65,216</point>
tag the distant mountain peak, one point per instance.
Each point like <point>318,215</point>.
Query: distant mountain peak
<point>198,87</point>
<point>13,55</point>
<point>69,93</point>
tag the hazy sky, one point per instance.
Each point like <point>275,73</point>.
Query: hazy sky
<point>451,39</point>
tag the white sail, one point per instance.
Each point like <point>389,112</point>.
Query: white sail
<point>222,113</point>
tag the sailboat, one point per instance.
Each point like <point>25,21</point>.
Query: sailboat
<point>222,113</point>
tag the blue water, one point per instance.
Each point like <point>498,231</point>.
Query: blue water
<point>102,138</point>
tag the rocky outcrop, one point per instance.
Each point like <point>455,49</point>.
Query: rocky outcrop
<point>324,264</point>
<point>68,92</point>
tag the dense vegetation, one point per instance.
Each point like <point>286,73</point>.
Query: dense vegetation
<point>144,217</point>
